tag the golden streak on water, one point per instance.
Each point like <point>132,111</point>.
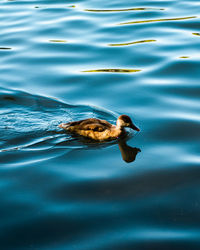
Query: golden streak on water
<point>158,20</point>
<point>119,10</point>
<point>5,48</point>
<point>184,57</point>
<point>196,34</point>
<point>113,70</point>
<point>58,41</point>
<point>136,42</point>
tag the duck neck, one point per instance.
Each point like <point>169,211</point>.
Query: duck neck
<point>119,130</point>
<point>119,127</point>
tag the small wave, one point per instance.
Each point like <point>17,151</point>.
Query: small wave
<point>30,121</point>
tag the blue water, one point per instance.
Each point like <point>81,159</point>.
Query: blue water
<point>63,61</point>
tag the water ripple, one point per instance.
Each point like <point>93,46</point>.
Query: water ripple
<point>32,121</point>
<point>113,70</point>
<point>57,41</point>
<point>158,20</point>
<point>5,48</point>
<point>196,34</point>
<point>131,43</point>
<point>121,10</point>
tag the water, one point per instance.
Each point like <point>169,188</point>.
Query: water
<point>63,61</point>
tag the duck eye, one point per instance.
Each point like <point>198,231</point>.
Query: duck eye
<point>126,120</point>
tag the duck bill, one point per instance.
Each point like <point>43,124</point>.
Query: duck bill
<point>135,128</point>
<point>62,125</point>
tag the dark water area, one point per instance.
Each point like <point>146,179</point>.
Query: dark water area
<point>64,61</point>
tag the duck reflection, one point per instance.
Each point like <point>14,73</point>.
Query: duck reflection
<point>128,153</point>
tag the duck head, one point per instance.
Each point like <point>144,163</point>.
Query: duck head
<point>125,121</point>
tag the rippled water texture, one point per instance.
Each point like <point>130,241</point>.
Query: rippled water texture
<point>63,61</point>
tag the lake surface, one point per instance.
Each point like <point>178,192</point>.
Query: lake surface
<point>63,61</point>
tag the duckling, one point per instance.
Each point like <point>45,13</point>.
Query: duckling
<point>100,130</point>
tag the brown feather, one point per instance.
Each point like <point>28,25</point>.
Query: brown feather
<point>90,124</point>
<point>93,128</point>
